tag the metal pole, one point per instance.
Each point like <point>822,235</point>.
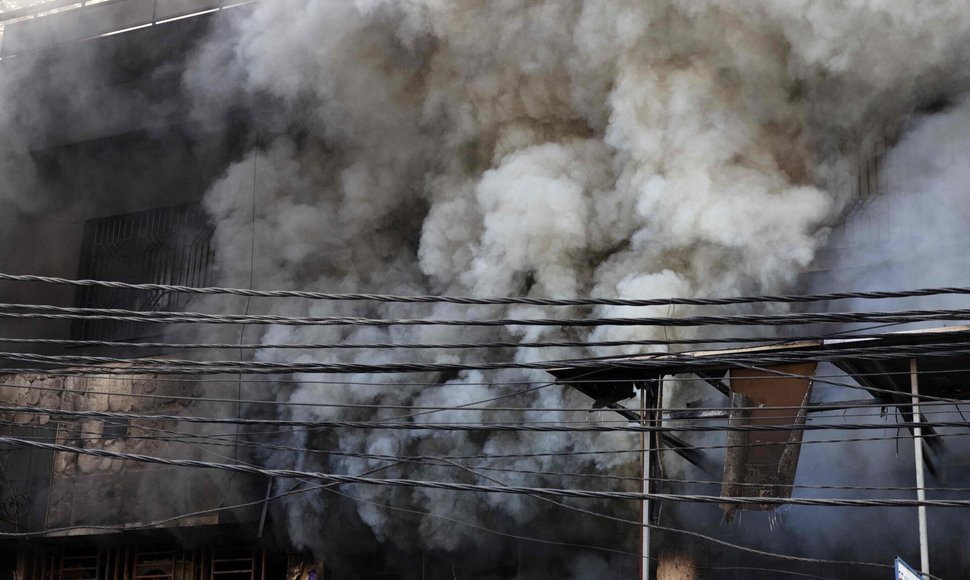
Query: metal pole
<point>644,488</point>
<point>924,547</point>
<point>262,515</point>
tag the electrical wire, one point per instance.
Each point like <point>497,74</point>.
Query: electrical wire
<point>639,524</point>
<point>321,487</point>
<point>438,410</point>
<point>667,362</point>
<point>822,379</point>
<point>515,490</point>
<point>172,364</point>
<point>472,404</point>
<point>773,340</point>
<point>941,400</point>
<point>789,298</point>
<point>469,407</point>
<point>160,523</point>
<point>327,487</point>
<point>48,312</point>
<point>222,440</point>
<point>801,354</point>
<point>663,528</point>
<point>482,426</point>
<point>651,526</point>
<point>443,460</point>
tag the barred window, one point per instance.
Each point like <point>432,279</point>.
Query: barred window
<point>169,245</point>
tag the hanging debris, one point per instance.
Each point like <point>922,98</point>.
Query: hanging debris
<point>763,463</point>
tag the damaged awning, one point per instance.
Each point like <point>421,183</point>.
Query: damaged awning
<point>763,463</point>
<point>942,373</point>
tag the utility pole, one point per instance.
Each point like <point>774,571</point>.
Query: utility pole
<point>924,548</point>
<point>644,488</point>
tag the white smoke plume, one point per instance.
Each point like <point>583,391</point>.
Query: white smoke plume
<point>607,148</point>
<point>920,217</point>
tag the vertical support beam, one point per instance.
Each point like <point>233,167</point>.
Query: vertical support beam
<point>644,487</point>
<point>656,445</point>
<point>262,515</point>
<point>924,549</point>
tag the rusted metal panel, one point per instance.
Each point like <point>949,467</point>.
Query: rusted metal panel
<point>763,463</point>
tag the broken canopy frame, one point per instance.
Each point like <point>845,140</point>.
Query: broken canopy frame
<point>887,380</point>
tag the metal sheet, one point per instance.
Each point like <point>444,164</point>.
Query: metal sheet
<point>763,463</point>
<point>939,376</point>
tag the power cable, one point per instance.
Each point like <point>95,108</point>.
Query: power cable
<point>68,372</point>
<point>515,490</point>
<point>789,298</point>
<point>816,407</point>
<point>670,359</point>
<point>441,461</point>
<point>479,402</point>
<point>484,426</point>
<point>321,487</point>
<point>669,362</point>
<point>639,524</point>
<point>222,441</point>
<point>49,312</point>
<point>327,487</point>
<point>686,533</point>
<point>773,340</point>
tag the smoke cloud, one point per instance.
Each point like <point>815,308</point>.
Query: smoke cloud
<point>608,148</point>
<point>556,148</point>
<point>919,218</point>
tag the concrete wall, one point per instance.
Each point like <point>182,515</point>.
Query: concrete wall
<point>69,489</point>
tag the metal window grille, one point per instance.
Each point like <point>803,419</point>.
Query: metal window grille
<point>170,245</point>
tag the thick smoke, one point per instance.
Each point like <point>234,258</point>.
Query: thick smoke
<point>919,218</point>
<point>913,233</point>
<point>614,148</point>
<point>57,169</point>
